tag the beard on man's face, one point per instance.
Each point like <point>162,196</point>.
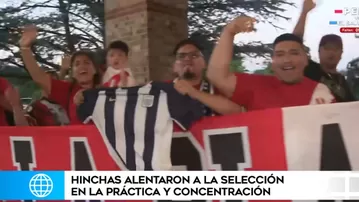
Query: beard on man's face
<point>189,75</point>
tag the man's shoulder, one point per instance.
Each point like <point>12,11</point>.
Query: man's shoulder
<point>313,71</point>
<point>4,83</point>
<point>2,79</point>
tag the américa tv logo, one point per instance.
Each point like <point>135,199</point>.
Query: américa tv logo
<point>41,185</point>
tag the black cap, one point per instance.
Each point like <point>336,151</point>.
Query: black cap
<point>287,37</point>
<point>187,42</point>
<point>331,39</point>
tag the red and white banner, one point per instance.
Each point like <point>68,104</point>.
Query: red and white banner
<point>322,137</point>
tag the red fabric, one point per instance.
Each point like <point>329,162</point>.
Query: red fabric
<point>256,92</point>
<point>60,93</point>
<point>116,79</point>
<point>267,151</point>
<point>42,114</point>
<point>4,84</point>
<point>54,150</point>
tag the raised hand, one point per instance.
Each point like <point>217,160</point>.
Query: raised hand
<point>184,87</point>
<point>308,5</point>
<point>241,24</point>
<point>29,35</point>
<point>124,78</point>
<point>79,98</point>
<point>66,62</point>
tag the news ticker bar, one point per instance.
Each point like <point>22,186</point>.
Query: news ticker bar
<point>178,185</point>
<point>349,29</point>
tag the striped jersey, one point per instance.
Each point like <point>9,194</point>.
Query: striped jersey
<point>137,122</point>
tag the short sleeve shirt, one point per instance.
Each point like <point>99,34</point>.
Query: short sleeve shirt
<point>257,92</point>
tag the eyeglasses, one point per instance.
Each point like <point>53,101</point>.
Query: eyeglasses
<point>191,55</point>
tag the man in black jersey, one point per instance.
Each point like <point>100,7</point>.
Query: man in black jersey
<point>189,66</point>
<point>136,122</point>
<point>330,53</point>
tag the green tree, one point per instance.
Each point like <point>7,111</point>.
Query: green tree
<point>237,66</point>
<point>66,25</point>
<point>207,18</point>
<point>266,70</point>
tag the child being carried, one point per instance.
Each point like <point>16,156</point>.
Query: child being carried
<point>118,74</point>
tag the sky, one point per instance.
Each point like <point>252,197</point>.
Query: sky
<point>317,26</point>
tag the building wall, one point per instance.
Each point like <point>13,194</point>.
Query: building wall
<point>151,28</point>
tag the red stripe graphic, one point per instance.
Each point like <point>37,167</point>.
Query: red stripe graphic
<point>349,30</point>
<point>338,11</point>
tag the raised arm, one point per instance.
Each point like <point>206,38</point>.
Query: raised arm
<point>38,75</point>
<point>13,97</point>
<point>65,66</point>
<point>299,28</point>
<point>219,65</point>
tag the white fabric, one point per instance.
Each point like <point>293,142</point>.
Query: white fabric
<point>163,126</point>
<point>59,113</point>
<point>322,94</point>
<point>302,129</point>
<point>110,72</point>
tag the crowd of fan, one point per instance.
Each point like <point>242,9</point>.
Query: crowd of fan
<point>297,80</point>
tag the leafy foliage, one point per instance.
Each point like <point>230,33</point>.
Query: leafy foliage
<point>207,18</point>
<point>66,25</point>
<point>266,70</point>
<point>237,66</point>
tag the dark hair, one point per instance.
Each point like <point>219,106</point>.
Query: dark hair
<point>288,37</point>
<point>119,45</point>
<point>186,42</point>
<point>90,55</point>
<point>332,39</point>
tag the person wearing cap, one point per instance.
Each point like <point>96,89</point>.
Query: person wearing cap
<point>289,87</point>
<point>189,67</point>
<point>330,53</point>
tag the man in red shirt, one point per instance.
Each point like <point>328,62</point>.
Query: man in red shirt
<point>289,87</point>
<point>189,68</point>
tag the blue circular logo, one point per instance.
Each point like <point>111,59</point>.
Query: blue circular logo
<point>40,185</point>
